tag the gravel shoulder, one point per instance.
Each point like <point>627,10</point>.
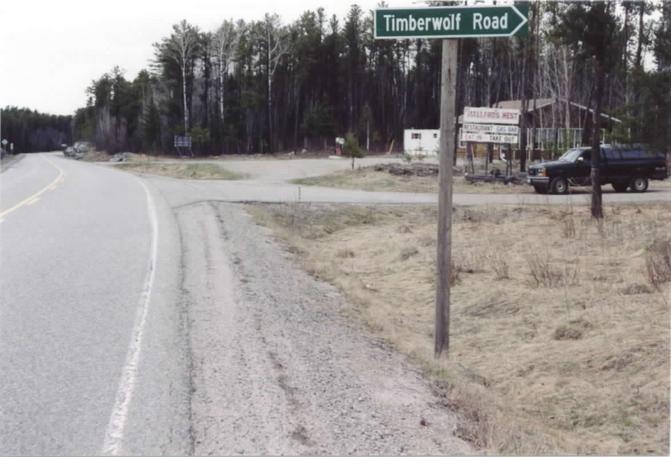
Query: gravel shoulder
<point>9,161</point>
<point>276,369</point>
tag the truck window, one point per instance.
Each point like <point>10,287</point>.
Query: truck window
<point>611,154</point>
<point>632,154</point>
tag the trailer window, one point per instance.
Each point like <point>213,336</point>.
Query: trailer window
<point>416,136</point>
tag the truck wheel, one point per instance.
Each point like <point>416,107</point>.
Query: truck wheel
<point>639,184</point>
<point>540,189</point>
<point>559,186</point>
<point>620,186</point>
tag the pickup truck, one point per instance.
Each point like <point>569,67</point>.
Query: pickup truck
<point>624,167</point>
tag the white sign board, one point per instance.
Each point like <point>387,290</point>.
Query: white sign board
<point>491,128</point>
<point>491,116</point>
<point>488,138</point>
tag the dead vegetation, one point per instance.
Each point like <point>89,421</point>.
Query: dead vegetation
<point>658,262</point>
<point>419,178</point>
<point>560,344</point>
<point>181,170</point>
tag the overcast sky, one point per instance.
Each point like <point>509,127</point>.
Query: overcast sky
<point>51,50</point>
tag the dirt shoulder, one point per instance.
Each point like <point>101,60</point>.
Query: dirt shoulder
<point>10,160</point>
<point>560,340</point>
<point>276,370</point>
<point>369,179</point>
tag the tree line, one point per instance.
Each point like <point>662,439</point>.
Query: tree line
<point>265,86</point>
<point>31,131</point>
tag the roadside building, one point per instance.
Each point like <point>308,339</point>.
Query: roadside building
<point>418,142</point>
<point>553,124</point>
<point>558,121</point>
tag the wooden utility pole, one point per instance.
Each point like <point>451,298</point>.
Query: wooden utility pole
<point>449,23</point>
<point>447,143</point>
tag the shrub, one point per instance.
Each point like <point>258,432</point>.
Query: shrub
<point>500,265</point>
<point>543,273</point>
<point>351,147</point>
<point>658,263</point>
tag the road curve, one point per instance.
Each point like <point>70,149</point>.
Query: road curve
<point>75,247</point>
<point>132,325</point>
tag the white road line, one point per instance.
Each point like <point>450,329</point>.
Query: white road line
<point>112,445</point>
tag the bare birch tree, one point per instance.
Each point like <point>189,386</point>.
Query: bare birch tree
<point>224,43</point>
<point>182,47</point>
<point>277,46</point>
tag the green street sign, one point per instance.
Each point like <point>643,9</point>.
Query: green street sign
<point>452,22</point>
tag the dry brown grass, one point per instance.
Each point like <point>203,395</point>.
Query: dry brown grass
<point>375,181</point>
<point>180,170</point>
<point>581,366</point>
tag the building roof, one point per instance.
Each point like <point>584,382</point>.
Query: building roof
<point>517,104</point>
<point>542,103</point>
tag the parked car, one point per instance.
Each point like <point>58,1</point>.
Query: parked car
<point>623,167</point>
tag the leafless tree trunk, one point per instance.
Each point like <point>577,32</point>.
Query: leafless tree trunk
<point>181,47</point>
<point>277,47</point>
<point>597,206</point>
<point>225,41</point>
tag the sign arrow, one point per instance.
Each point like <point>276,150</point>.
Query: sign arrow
<point>452,22</point>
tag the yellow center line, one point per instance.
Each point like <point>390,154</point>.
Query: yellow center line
<point>32,198</point>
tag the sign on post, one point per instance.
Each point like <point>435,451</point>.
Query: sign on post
<point>491,116</point>
<point>483,125</point>
<point>447,23</point>
<point>477,137</point>
<point>182,141</point>
<point>451,22</point>
<point>491,128</point>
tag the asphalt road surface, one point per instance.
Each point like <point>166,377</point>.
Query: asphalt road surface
<point>146,316</point>
<point>75,250</point>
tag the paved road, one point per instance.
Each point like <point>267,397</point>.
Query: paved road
<point>136,322</point>
<point>75,249</point>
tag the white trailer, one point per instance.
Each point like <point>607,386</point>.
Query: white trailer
<point>421,142</point>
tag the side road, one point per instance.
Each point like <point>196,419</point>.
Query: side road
<point>182,192</point>
<point>269,181</point>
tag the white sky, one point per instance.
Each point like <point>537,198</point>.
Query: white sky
<point>51,50</point>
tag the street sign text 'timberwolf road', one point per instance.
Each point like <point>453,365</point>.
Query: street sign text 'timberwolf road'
<point>452,22</point>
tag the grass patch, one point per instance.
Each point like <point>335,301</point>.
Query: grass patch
<point>181,170</point>
<point>368,179</point>
<point>568,355</point>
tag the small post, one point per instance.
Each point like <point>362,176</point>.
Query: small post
<point>447,138</point>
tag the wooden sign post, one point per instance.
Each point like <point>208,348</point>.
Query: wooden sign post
<point>448,92</point>
<point>448,23</point>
